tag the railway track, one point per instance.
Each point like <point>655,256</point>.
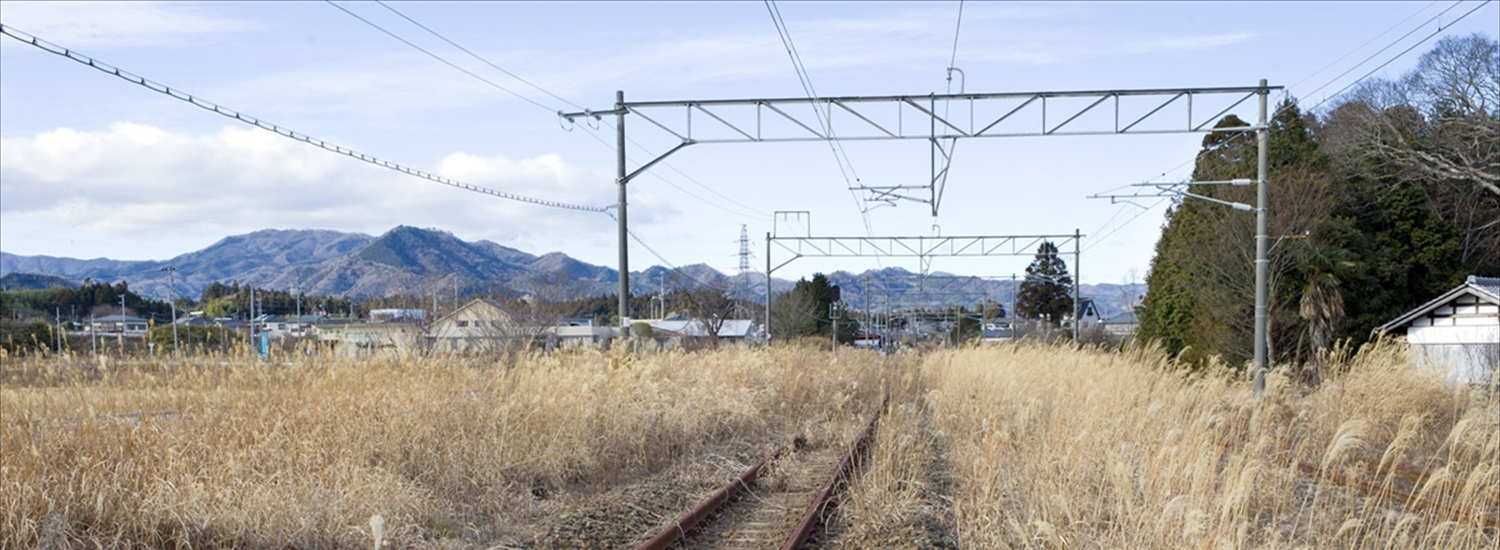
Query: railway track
<point>778,503</point>
<point>1403,490</point>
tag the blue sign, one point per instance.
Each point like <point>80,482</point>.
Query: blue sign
<point>265,345</point>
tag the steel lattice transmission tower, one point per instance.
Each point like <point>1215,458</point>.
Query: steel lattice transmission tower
<point>744,249</point>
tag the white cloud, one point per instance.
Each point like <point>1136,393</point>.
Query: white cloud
<point>138,179</point>
<point>109,24</point>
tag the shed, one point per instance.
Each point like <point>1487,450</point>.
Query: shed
<point>1458,332</point>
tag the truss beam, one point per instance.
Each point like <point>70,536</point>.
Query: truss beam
<point>861,123</point>
<point>911,117</point>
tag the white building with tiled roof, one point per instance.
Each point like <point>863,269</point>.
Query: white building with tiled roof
<point>1458,332</point>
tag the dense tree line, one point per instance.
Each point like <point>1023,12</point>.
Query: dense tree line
<point>1377,205</point>
<point>93,297</point>
<point>233,300</point>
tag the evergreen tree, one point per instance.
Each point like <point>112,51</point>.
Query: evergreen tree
<point>1046,292</point>
<point>803,311</point>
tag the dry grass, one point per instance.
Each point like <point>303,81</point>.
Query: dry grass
<point>1055,448</point>
<point>447,454</point>
<point>1024,447</point>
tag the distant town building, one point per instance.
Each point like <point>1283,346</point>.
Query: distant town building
<point>129,325</point>
<point>397,315</point>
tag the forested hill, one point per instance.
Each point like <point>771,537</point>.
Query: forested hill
<point>1378,203</point>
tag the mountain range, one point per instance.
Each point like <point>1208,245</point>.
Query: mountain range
<point>416,261</point>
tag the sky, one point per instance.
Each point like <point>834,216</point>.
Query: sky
<point>94,166</point>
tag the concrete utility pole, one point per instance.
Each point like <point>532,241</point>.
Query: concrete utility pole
<point>1262,133</point>
<point>621,178</point>
<point>1262,213</point>
<point>252,322</point>
<point>172,295</point>
<point>767,327</point>
<point>833,324</point>
<point>120,337</point>
<point>1077,280</point>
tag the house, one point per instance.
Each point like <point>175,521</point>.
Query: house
<point>732,331</point>
<point>572,336</point>
<point>389,315</point>
<point>995,333</point>
<point>1088,313</point>
<point>355,339</point>
<point>1458,332</point>
<point>1122,325</point>
<point>129,325</point>
<point>277,327</point>
<point>480,325</point>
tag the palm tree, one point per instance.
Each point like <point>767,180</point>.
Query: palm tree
<point>1323,309</point>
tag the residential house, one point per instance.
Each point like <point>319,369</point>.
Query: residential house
<point>355,339</point>
<point>479,326</point>
<point>995,333</point>
<point>1088,313</point>
<point>1121,325</point>
<point>579,336</point>
<point>1457,333</point>
<point>277,327</point>
<point>679,331</point>
<point>389,315</point>
<point>129,325</point>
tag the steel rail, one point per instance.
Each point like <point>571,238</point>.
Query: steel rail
<point>814,513</point>
<point>1408,499</point>
<point>680,527</point>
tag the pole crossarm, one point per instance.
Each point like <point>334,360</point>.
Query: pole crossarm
<point>897,117</point>
<point>1177,190</point>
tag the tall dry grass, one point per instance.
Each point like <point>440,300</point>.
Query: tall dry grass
<point>1057,448</point>
<point>446,453</point>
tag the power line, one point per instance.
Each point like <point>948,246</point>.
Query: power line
<point>1368,74</point>
<point>482,59</point>
<point>1361,46</point>
<point>1389,46</point>
<point>956,27</point>
<point>591,133</point>
<point>206,105</point>
<point>664,260</point>
<point>1424,40</point>
<point>834,145</point>
<point>475,55</point>
<point>439,58</point>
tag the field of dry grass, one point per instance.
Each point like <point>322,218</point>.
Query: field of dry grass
<point>448,454</point>
<point>1014,447</point>
<point>1046,447</point>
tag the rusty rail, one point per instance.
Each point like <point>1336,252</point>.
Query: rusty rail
<point>679,528</point>
<point>1408,499</point>
<point>814,512</point>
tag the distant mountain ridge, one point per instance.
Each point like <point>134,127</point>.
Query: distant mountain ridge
<point>410,260</point>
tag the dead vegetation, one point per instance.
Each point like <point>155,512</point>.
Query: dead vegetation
<point>1012,447</point>
<point>1054,448</point>
<point>447,454</point>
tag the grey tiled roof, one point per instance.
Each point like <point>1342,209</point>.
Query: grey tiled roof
<point>1487,284</point>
